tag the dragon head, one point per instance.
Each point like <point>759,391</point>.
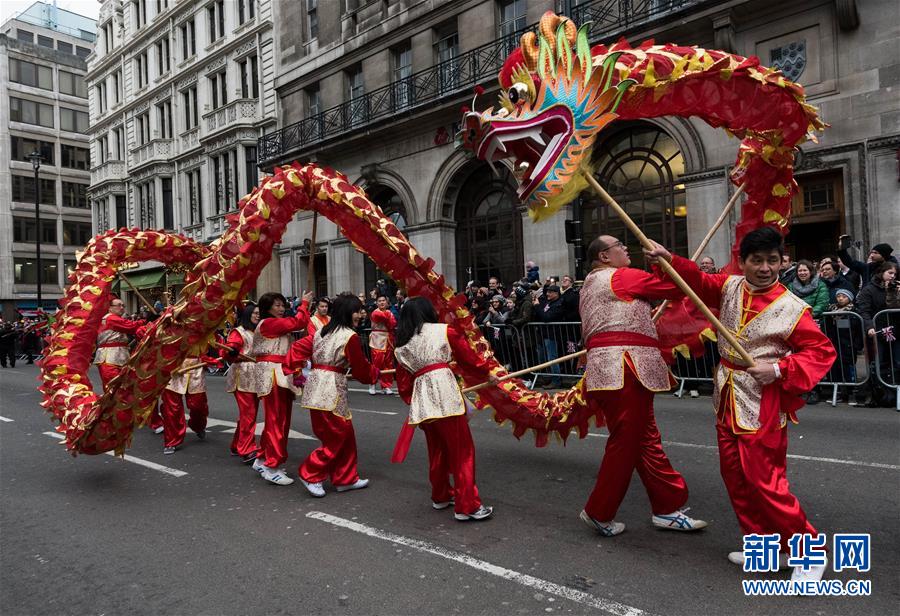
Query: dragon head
<point>553,103</point>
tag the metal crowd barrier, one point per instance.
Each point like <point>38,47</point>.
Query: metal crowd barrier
<point>542,342</point>
<point>506,344</point>
<point>696,369</point>
<point>847,333</point>
<point>887,350</point>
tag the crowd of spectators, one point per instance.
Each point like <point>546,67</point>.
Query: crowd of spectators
<point>21,338</point>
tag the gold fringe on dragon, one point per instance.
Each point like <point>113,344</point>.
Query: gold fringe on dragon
<point>557,94</point>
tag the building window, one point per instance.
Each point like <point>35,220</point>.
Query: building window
<point>76,233</point>
<point>224,184</point>
<point>140,13</point>
<point>402,84</point>
<point>790,59</point>
<point>45,41</point>
<point>189,100</point>
<point>195,208</point>
<point>23,190</point>
<point>246,10</point>
<point>25,36</point>
<point>164,120</point>
<point>188,40</point>
<point>161,6</point>
<point>73,157</point>
<point>356,91</point>
<point>215,13</point>
<point>26,271</point>
<point>65,47</point>
<point>75,195</point>
<point>30,74</point>
<point>313,110</point>
<point>167,204</point>
<point>250,77</point>
<point>163,59</point>
<point>103,149</point>
<point>218,89</point>
<point>512,19</point>
<point>146,208</point>
<point>73,120</point>
<point>142,70</point>
<point>23,230</point>
<point>121,211</point>
<point>446,52</point>
<point>82,52</point>
<point>30,112</point>
<point>109,41</point>
<point>119,136</point>
<point>312,18</point>
<point>23,146</point>
<point>73,85</point>
<point>117,87</point>
<point>142,128</point>
<point>100,90</point>
<point>251,170</point>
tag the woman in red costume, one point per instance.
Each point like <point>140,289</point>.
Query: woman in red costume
<point>243,380</point>
<point>436,404</point>
<point>381,342</point>
<point>333,349</point>
<point>271,342</point>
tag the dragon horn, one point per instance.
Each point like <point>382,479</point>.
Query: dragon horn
<point>564,50</point>
<point>622,87</point>
<point>583,50</point>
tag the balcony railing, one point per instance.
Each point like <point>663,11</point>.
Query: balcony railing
<point>450,78</point>
<point>240,111</point>
<point>110,170</point>
<point>156,149</point>
<point>190,139</point>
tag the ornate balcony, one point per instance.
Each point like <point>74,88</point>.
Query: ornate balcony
<point>154,150</point>
<point>194,232</point>
<point>110,171</point>
<point>190,139</point>
<point>446,82</point>
<point>240,112</point>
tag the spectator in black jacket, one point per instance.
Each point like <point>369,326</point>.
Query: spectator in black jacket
<point>833,280</point>
<point>570,299</point>
<point>852,277</point>
<point>521,314</point>
<point>879,294</point>
<point>878,254</point>
<point>549,309</point>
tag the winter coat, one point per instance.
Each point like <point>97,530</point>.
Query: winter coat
<point>838,282</point>
<point>871,300</point>
<point>814,293</point>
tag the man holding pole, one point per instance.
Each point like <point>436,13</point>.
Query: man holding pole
<point>624,370</point>
<point>112,341</point>
<point>754,400</point>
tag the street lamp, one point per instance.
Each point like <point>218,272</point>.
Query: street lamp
<point>35,158</point>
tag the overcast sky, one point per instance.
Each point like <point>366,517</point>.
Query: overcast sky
<point>88,8</point>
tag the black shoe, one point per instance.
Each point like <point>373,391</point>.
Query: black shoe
<point>812,397</point>
<point>202,435</point>
<point>250,458</point>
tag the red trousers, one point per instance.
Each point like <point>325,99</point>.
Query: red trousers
<point>108,372</point>
<point>451,451</point>
<point>244,441</point>
<point>273,441</point>
<point>173,416</point>
<point>156,420</point>
<point>336,458</point>
<point>634,444</point>
<point>384,360</point>
<point>753,468</point>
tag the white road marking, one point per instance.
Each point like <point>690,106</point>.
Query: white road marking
<point>606,605</point>
<point>375,412</point>
<point>891,467</point>
<point>139,461</point>
<point>5,419</point>
<point>232,426</point>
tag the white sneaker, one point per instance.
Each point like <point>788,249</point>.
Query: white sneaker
<point>359,484</point>
<point>441,505</point>
<point>314,488</point>
<point>482,513</point>
<point>695,393</point>
<point>388,391</point>
<point>678,520</point>
<point>372,391</point>
<point>813,574</point>
<point>278,476</point>
<point>738,559</point>
<point>606,529</point>
<point>158,430</point>
<point>258,465</point>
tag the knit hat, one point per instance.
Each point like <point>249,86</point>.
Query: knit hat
<point>846,292</point>
<point>884,250</point>
<point>498,298</point>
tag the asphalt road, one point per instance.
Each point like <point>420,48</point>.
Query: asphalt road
<point>99,535</point>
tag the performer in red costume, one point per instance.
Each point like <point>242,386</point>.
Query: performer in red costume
<point>271,342</point>
<point>191,385</point>
<point>381,342</point>
<point>112,348</point>
<point>243,381</point>
<point>436,404</point>
<point>753,404</point>
<point>320,317</point>
<point>333,349</point>
<point>624,370</point>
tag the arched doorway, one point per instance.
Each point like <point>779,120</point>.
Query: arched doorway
<point>489,226</point>
<point>640,166</point>
<point>392,205</point>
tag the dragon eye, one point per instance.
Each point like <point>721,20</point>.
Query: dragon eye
<point>518,93</point>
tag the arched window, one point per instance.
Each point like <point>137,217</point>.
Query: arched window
<point>489,228</point>
<point>639,165</point>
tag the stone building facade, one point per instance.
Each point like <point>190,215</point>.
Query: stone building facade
<point>43,108</point>
<point>179,93</point>
<point>374,89</point>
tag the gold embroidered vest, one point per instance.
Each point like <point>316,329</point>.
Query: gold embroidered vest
<point>191,382</point>
<point>271,373</point>
<point>379,338</point>
<point>765,339</point>
<point>117,355</point>
<point>603,311</point>
<point>436,393</point>
<point>243,375</point>
<point>326,390</point>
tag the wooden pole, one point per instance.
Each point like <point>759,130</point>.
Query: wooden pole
<point>725,212</point>
<point>668,269</point>
<point>311,271</point>
<point>189,368</point>
<point>519,373</point>
<point>224,347</point>
<point>138,293</point>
